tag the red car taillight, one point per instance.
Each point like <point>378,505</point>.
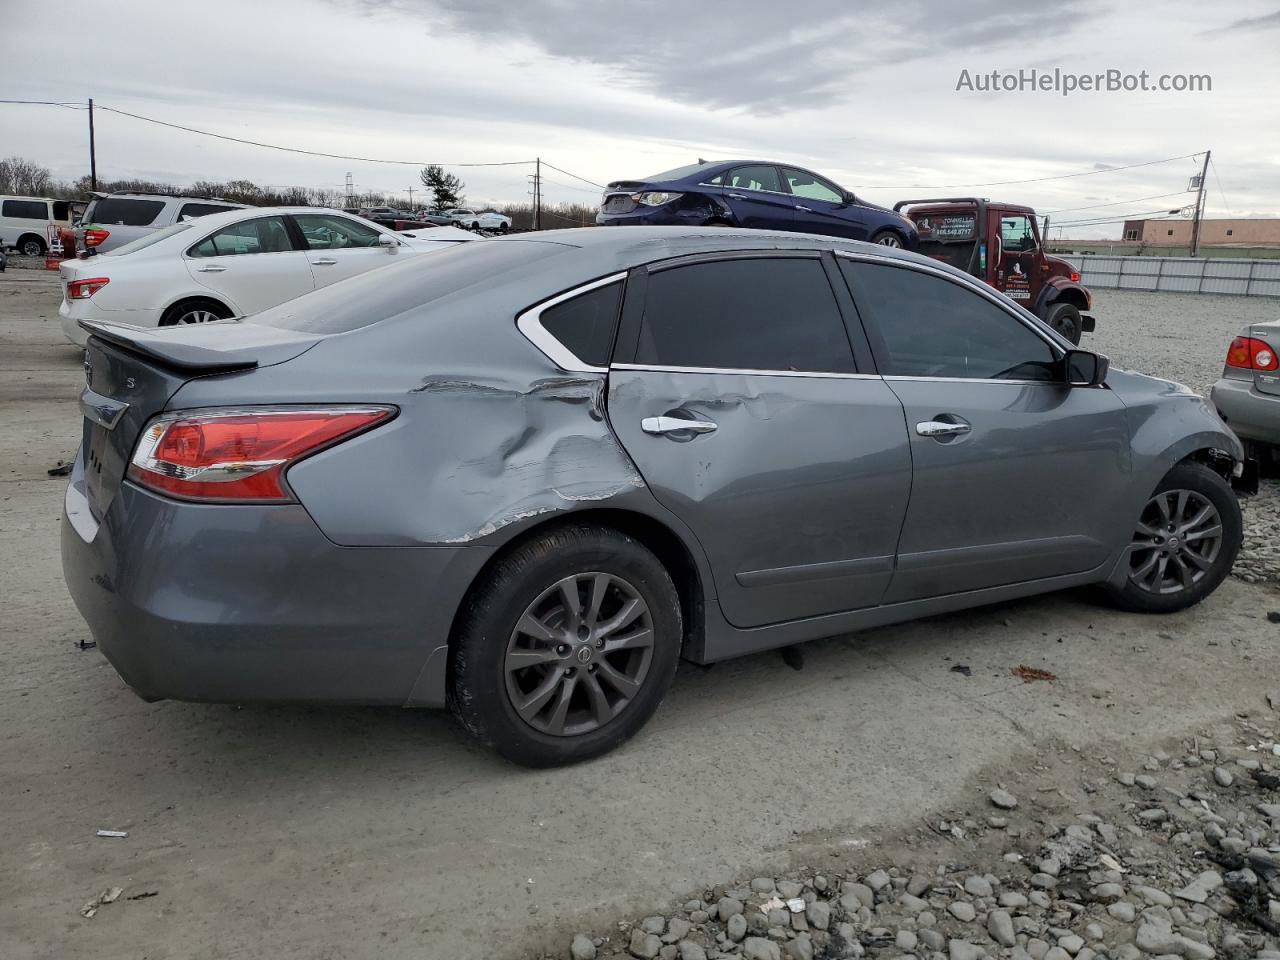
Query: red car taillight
<point>241,454</point>
<point>1250,354</point>
<point>1075,277</point>
<point>84,289</point>
<point>95,235</point>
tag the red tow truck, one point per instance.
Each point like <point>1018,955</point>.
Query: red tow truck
<point>999,243</point>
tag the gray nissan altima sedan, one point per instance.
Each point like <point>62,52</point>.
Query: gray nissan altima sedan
<point>523,477</point>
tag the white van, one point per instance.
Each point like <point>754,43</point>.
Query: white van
<point>25,222</point>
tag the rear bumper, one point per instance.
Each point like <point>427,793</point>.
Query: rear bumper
<point>246,603</point>
<point>1251,415</point>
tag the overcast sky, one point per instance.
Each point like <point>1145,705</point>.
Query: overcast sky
<point>609,89</point>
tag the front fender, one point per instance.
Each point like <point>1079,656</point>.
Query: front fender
<point>1060,288</point>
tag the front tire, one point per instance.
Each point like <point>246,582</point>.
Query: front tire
<point>1065,319</point>
<point>31,246</point>
<point>1184,542</point>
<point>567,647</point>
<point>887,238</point>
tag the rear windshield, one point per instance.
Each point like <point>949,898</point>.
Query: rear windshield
<point>389,291</point>
<point>125,211</point>
<point>147,240</point>
<point>679,173</point>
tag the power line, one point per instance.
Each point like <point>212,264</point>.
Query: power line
<point>1222,193</point>
<point>1149,215</point>
<point>50,103</point>
<point>574,175</point>
<point>1158,196</point>
<point>310,153</point>
<point>1003,183</point>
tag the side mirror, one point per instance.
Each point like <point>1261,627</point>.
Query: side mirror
<point>849,198</point>
<point>1085,369</point>
<point>387,242</point>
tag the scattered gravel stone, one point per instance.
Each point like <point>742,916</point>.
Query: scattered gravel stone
<point>964,950</point>
<point>758,948</point>
<point>582,948</point>
<point>644,945</point>
<point>962,911</point>
<point>691,951</point>
<point>1000,926</point>
<point>1005,801</point>
<point>878,880</point>
<point>977,886</point>
<point>736,927</point>
<point>1124,912</point>
<point>1222,777</point>
<point>1198,890</point>
<point>728,907</point>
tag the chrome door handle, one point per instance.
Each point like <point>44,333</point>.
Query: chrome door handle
<point>210,269</point>
<point>661,425</point>
<point>805,209</point>
<point>324,262</point>
<point>736,196</point>
<point>941,428</point>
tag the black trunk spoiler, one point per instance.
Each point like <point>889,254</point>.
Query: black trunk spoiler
<point>211,347</point>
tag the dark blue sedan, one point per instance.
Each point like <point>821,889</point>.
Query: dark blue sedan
<point>744,193</point>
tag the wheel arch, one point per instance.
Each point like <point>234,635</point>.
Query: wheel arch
<point>671,549</point>
<point>189,297</point>
<point>1070,293</point>
<point>30,235</point>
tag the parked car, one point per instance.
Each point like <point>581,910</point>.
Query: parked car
<point>25,223</point>
<point>437,217</point>
<point>524,478</point>
<point>114,219</point>
<point>231,264</point>
<point>1247,396</point>
<point>759,195</point>
<point>479,220</point>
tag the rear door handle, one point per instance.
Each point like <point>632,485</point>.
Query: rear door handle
<point>210,269</point>
<point>663,425</point>
<point>736,196</point>
<point>941,428</point>
<point>324,262</point>
<point>805,209</point>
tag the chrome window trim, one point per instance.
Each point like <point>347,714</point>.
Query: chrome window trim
<point>529,323</point>
<point>1033,383</point>
<point>994,297</point>
<point>819,374</point>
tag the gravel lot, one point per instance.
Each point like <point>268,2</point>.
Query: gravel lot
<point>1184,337</point>
<point>297,832</point>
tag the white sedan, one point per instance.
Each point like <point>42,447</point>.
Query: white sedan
<point>475,220</point>
<point>231,265</point>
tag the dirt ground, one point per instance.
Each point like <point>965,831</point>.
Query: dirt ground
<point>290,832</point>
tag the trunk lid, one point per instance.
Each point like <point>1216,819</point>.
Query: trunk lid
<point>131,374</point>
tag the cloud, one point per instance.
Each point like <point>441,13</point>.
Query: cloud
<point>758,56</point>
<point>1269,21</point>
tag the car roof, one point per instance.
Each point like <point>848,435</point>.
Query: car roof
<point>242,213</point>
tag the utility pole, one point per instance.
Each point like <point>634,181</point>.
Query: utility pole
<point>1195,224</point>
<point>351,200</point>
<point>411,198</point>
<point>93,152</point>
<point>537,194</point>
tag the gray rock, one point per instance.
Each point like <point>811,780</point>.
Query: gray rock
<point>906,941</point>
<point>857,895</point>
<point>1057,953</point>
<point>789,889</point>
<point>1043,881</point>
<point>964,950</point>
<point>1037,948</point>
<point>736,927</point>
<point>931,939</point>
<point>977,886</point>
<point>644,945</point>
<point>1222,777</point>
<point>913,905</point>
<point>1124,912</point>
<point>691,951</point>
<point>1145,781</point>
<point>1107,892</point>
<point>800,948</point>
<point>1000,926</point>
<point>728,907</point>
<point>582,948</point>
<point>878,880</point>
<point>762,885</point>
<point>962,910</point>
<point>919,884</point>
<point>1154,815</point>
<point>1198,890</point>
<point>1071,943</point>
<point>677,929</point>
<point>653,925</point>
<point>819,914</point>
<point>758,948</point>
<point>1012,900</point>
<point>1051,865</point>
<point>1269,810</point>
<point>1005,801</point>
<point>1156,936</point>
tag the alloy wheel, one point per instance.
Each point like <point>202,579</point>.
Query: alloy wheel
<point>579,654</point>
<point>1176,541</point>
<point>890,240</point>
<point>198,316</point>
<point>32,248</point>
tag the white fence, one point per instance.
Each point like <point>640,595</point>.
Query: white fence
<point>1250,278</point>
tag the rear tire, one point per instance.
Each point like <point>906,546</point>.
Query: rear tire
<point>1064,318</point>
<point>543,692</point>
<point>1176,559</point>
<point>31,246</point>
<point>887,238</point>
<point>195,310</point>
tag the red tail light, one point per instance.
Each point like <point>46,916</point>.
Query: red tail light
<point>1075,277</point>
<point>95,235</point>
<point>1250,354</point>
<point>240,455</point>
<point>84,289</point>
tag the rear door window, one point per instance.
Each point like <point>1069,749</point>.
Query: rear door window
<point>126,211</point>
<point>756,177</point>
<point>263,235</point>
<point>929,326</point>
<point>25,209</point>
<point>192,210</point>
<point>772,313</point>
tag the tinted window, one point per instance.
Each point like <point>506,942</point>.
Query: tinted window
<point>761,177</point>
<point>147,239</point>
<point>62,210</point>
<point>585,324</point>
<point>805,184</point>
<point>766,314</point>
<point>401,287</point>
<point>25,209</point>
<point>324,231</point>
<point>192,210</point>
<point>678,173</point>
<point>127,212</point>
<point>931,327</point>
<point>1016,235</point>
<point>264,235</point>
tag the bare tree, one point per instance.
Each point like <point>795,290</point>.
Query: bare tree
<point>24,177</point>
